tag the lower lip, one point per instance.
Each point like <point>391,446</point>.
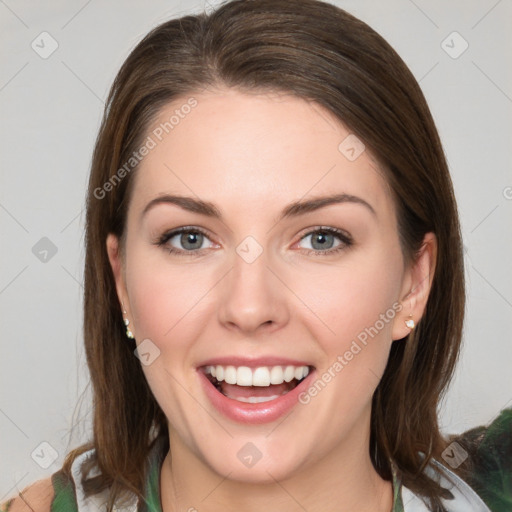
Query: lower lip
<point>264,412</point>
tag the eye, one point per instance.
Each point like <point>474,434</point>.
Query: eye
<point>326,240</point>
<point>184,241</point>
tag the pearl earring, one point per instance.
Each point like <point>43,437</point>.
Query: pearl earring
<point>129,333</point>
<point>410,322</point>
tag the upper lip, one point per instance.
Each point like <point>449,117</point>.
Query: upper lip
<point>253,362</point>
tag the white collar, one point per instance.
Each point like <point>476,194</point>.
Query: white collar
<point>464,499</point>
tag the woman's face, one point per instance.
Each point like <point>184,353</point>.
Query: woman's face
<point>290,258</point>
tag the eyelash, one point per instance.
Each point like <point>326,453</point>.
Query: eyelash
<point>345,239</point>
<point>162,241</point>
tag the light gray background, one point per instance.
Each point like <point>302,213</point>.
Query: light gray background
<point>51,110</point>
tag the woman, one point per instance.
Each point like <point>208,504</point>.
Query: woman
<point>274,287</point>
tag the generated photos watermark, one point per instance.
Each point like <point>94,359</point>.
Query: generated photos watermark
<point>342,360</point>
<point>150,143</point>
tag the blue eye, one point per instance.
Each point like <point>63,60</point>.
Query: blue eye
<point>327,240</point>
<point>190,239</point>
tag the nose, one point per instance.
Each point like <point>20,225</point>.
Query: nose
<point>252,298</point>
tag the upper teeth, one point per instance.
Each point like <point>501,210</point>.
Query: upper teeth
<point>261,376</point>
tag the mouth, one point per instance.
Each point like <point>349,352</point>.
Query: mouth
<point>255,385</point>
<point>255,394</point>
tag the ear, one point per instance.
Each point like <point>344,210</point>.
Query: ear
<point>115,258</point>
<point>416,286</point>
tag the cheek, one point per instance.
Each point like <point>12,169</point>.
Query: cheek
<point>357,306</point>
<point>355,303</point>
<point>168,303</point>
<point>166,299</point>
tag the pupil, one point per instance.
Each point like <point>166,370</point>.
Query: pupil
<point>191,240</point>
<point>322,237</point>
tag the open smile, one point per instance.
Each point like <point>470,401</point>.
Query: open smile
<point>254,394</point>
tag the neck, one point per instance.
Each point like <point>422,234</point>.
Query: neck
<point>342,481</point>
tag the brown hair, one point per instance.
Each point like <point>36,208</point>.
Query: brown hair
<point>318,52</point>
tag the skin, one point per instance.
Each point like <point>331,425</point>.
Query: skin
<point>251,154</point>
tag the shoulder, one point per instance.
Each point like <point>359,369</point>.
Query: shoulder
<point>488,450</point>
<point>53,494</point>
<point>37,497</point>
<point>68,491</point>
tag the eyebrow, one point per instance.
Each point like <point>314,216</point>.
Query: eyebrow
<point>292,210</point>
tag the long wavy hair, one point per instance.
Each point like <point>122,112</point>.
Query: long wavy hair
<point>318,52</point>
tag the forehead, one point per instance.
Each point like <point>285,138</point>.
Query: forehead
<point>255,150</point>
